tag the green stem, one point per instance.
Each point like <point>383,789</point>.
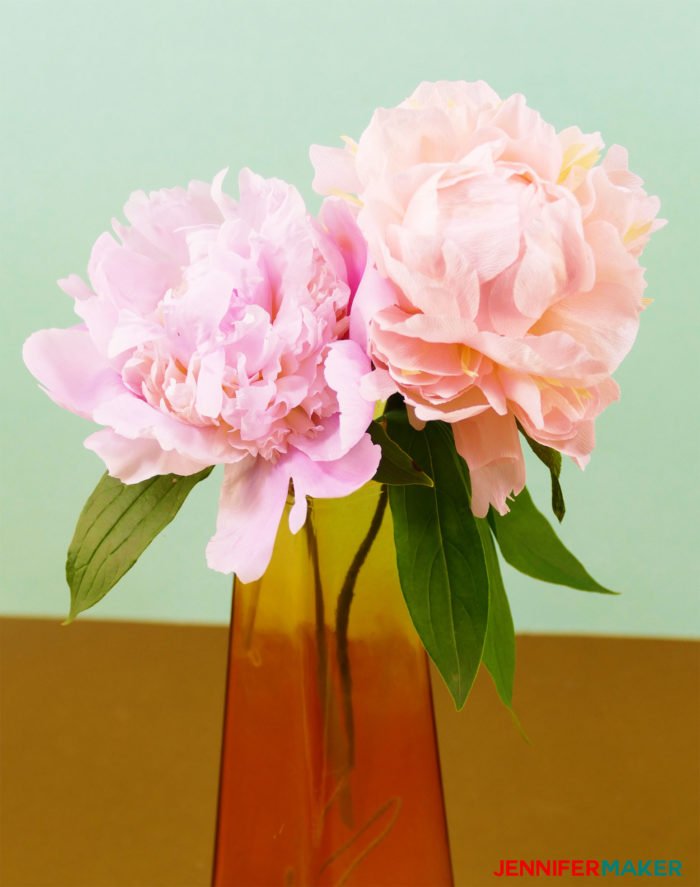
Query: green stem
<point>342,618</point>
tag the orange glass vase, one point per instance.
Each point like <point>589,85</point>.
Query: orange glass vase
<point>330,772</point>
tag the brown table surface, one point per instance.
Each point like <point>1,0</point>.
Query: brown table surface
<point>110,749</point>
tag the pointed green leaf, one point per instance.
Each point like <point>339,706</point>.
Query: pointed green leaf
<point>117,524</point>
<point>439,556</point>
<point>499,646</point>
<point>552,459</point>
<point>396,466</point>
<point>528,542</point>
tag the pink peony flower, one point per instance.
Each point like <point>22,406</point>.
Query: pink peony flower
<point>216,331</point>
<point>511,283</point>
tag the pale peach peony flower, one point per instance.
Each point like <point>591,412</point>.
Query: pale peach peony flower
<point>509,285</point>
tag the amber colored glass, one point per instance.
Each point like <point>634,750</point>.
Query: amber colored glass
<point>330,772</point>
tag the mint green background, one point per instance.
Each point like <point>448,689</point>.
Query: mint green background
<point>102,98</point>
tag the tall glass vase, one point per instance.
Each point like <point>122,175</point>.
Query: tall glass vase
<point>330,772</point>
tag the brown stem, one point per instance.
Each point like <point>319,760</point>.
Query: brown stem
<point>320,615</point>
<point>342,617</point>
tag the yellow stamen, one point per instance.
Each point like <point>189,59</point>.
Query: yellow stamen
<point>572,158</point>
<point>350,144</point>
<point>465,359</point>
<point>580,394</point>
<point>635,231</point>
<point>351,198</point>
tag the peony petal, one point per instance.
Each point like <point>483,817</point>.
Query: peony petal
<point>128,278</point>
<point>193,318</point>
<point>374,294</point>
<point>130,329</point>
<point>133,418</point>
<point>377,385</point>
<point>531,139</point>
<point>449,94</point>
<point>75,287</point>
<point>225,204</point>
<point>436,328</point>
<point>330,480</point>
<point>339,222</point>
<point>345,365</point>
<point>72,372</point>
<point>523,392</point>
<point>100,317</point>
<point>413,420</point>
<point>334,171</point>
<point>490,446</point>
<point>162,220</point>
<point>452,412</point>
<point>535,283</point>
<point>135,460</point>
<point>272,206</point>
<point>481,216</point>
<point>554,354</point>
<point>209,384</point>
<point>253,495</point>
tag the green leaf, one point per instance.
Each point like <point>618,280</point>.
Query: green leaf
<point>499,646</point>
<point>440,557</point>
<point>528,542</point>
<point>396,466</point>
<point>117,524</point>
<point>552,459</point>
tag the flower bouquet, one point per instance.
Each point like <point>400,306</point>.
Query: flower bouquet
<point>367,379</point>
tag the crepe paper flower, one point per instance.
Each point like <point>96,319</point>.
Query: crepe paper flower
<point>216,331</point>
<point>510,256</point>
